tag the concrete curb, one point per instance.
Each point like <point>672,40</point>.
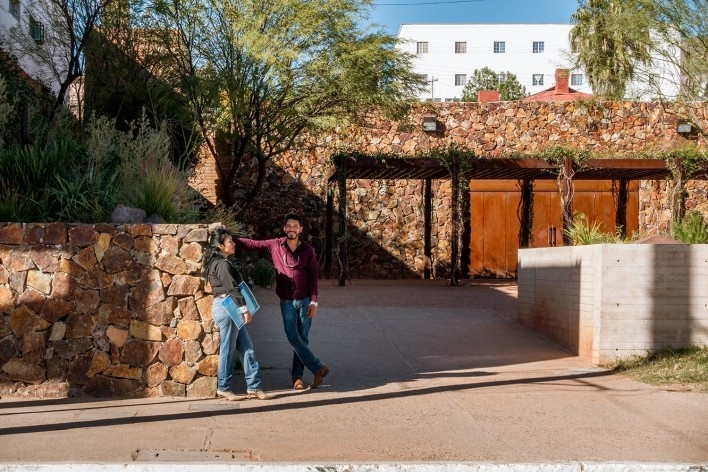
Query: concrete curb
<point>363,467</point>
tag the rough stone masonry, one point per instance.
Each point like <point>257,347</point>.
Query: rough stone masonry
<point>105,310</point>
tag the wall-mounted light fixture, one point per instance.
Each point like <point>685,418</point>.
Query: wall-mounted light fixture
<point>430,123</point>
<point>684,128</point>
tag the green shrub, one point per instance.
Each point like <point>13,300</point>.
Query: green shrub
<point>581,232</point>
<point>13,205</point>
<point>259,271</point>
<point>165,193</point>
<point>80,175</point>
<point>263,273</point>
<point>149,180</point>
<point>692,229</point>
<point>6,107</point>
<point>32,168</point>
<point>76,200</point>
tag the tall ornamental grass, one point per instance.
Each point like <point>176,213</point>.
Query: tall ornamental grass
<point>74,174</point>
<point>149,179</point>
<point>581,232</point>
<point>691,229</point>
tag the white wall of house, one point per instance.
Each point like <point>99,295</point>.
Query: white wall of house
<point>28,34</point>
<point>441,63</point>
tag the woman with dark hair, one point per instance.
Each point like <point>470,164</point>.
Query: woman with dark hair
<point>224,279</point>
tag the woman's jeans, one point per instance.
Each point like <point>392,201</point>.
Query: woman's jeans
<point>233,340</point>
<point>297,329</point>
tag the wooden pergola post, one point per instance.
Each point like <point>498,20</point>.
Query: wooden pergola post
<point>342,241</point>
<point>525,213</point>
<point>621,210</point>
<point>566,195</point>
<point>328,233</point>
<point>427,217</point>
<point>454,231</point>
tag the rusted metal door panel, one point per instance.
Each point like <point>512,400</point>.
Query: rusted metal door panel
<point>494,233</point>
<point>633,209</point>
<point>494,230</point>
<point>494,222</point>
<point>477,228</point>
<point>547,226</point>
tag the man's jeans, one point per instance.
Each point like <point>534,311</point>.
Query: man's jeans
<point>297,329</point>
<point>233,340</point>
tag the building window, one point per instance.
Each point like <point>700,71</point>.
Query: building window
<point>422,47</point>
<point>576,80</point>
<point>537,47</point>
<point>499,47</point>
<point>15,8</point>
<point>460,80</point>
<point>36,30</point>
<point>460,47</point>
<point>537,79</point>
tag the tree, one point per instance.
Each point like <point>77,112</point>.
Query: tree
<point>655,49</point>
<point>60,31</point>
<point>505,83</point>
<point>610,38</point>
<point>262,73</point>
<point>679,49</point>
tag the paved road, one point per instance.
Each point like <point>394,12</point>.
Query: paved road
<point>423,374</point>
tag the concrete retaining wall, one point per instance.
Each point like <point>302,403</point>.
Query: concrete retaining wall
<point>612,301</point>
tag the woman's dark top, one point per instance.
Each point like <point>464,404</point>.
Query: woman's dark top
<point>224,279</point>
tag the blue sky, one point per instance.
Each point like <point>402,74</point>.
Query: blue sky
<point>389,14</point>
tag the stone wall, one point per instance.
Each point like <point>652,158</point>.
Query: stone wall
<point>105,310</point>
<point>384,217</point>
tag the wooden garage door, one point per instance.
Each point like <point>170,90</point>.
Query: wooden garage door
<point>494,221</point>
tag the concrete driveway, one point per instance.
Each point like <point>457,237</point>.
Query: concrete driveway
<point>421,373</point>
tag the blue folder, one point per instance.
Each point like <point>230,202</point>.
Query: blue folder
<point>247,295</point>
<point>231,306</point>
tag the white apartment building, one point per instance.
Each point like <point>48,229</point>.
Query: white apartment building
<point>448,54</point>
<point>26,34</point>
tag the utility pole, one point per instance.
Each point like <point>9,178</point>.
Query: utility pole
<point>432,85</point>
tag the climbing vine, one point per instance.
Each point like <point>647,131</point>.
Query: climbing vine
<point>568,161</point>
<point>524,212</point>
<point>457,161</point>
<point>683,163</point>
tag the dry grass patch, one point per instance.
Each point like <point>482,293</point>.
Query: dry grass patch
<point>673,369</point>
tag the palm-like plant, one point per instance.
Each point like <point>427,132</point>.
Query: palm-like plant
<point>609,39</point>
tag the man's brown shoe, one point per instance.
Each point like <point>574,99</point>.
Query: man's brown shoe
<point>319,376</point>
<point>298,384</point>
<point>259,394</point>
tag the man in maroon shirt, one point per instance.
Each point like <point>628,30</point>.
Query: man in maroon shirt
<point>296,284</point>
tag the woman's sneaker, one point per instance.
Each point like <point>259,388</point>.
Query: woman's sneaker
<point>231,396</point>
